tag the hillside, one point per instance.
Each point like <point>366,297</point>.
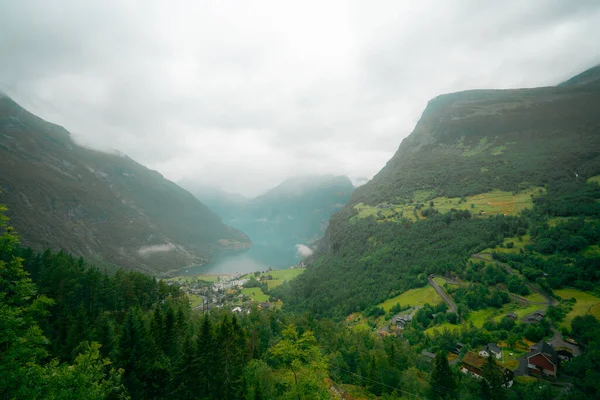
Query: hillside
<point>221,202</point>
<point>106,207</point>
<point>480,166</point>
<point>294,212</point>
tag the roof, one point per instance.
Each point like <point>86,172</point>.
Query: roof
<point>511,315</point>
<point>493,347</point>
<point>428,354</point>
<point>474,360</point>
<point>546,349</point>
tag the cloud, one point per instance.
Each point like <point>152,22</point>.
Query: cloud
<point>245,94</point>
<point>303,250</point>
<point>145,251</point>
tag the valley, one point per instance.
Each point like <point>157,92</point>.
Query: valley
<point>466,268</point>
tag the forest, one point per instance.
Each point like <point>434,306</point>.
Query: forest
<point>69,331</point>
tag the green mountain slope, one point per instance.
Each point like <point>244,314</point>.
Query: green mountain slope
<point>459,183</point>
<point>294,212</point>
<point>103,206</point>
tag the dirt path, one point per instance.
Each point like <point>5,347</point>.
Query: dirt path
<point>443,294</point>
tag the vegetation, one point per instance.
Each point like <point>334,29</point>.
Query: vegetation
<point>76,195</point>
<point>413,297</point>
<point>255,294</point>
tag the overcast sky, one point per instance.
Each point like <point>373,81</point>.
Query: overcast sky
<point>244,94</point>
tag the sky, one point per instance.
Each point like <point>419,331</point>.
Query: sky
<point>244,94</point>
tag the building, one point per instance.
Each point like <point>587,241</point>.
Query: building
<point>512,316</point>
<point>473,363</point>
<point>536,316</point>
<point>401,321</point>
<point>542,360</point>
<point>458,348</point>
<point>428,356</point>
<point>491,348</point>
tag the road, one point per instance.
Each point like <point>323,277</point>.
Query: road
<point>557,341</point>
<point>443,294</point>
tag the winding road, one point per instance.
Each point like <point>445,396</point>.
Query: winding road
<point>443,294</point>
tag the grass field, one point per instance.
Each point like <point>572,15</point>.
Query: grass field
<point>586,304</point>
<point>413,297</point>
<point>195,300</point>
<point>440,328</point>
<point>439,281</point>
<point>594,179</point>
<point>279,276</point>
<point>273,283</point>
<point>479,317</point>
<point>489,204</point>
<point>519,310</point>
<point>255,294</point>
<point>535,297</point>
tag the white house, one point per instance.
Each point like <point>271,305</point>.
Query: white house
<point>491,348</point>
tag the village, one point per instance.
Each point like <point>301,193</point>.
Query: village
<point>541,360</point>
<point>235,291</point>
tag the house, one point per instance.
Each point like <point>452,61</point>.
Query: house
<point>265,305</point>
<point>428,356</point>
<point>512,316</point>
<point>542,360</point>
<point>237,309</point>
<point>457,349</point>
<point>491,348</point>
<point>473,363</point>
<point>401,321</point>
<point>536,316</point>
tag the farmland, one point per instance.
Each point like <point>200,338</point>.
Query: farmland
<point>413,297</point>
<point>255,294</point>
<point>586,304</point>
<point>491,203</point>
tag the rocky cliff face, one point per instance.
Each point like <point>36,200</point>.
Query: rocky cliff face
<point>103,206</point>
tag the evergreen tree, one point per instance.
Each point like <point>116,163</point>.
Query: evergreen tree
<point>206,362</point>
<point>441,380</point>
<point>492,379</point>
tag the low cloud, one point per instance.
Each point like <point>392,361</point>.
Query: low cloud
<point>242,95</point>
<point>145,251</point>
<point>303,251</point>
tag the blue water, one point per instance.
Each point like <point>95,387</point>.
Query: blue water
<point>257,258</point>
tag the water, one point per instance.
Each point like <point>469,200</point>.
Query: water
<point>257,258</point>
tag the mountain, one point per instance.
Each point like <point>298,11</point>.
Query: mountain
<point>106,207</point>
<point>480,166</point>
<point>292,213</point>
<point>218,200</point>
<point>589,77</point>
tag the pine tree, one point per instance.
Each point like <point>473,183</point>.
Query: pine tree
<point>184,378</point>
<point>492,378</point>
<point>206,362</point>
<point>441,380</point>
<point>132,352</point>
